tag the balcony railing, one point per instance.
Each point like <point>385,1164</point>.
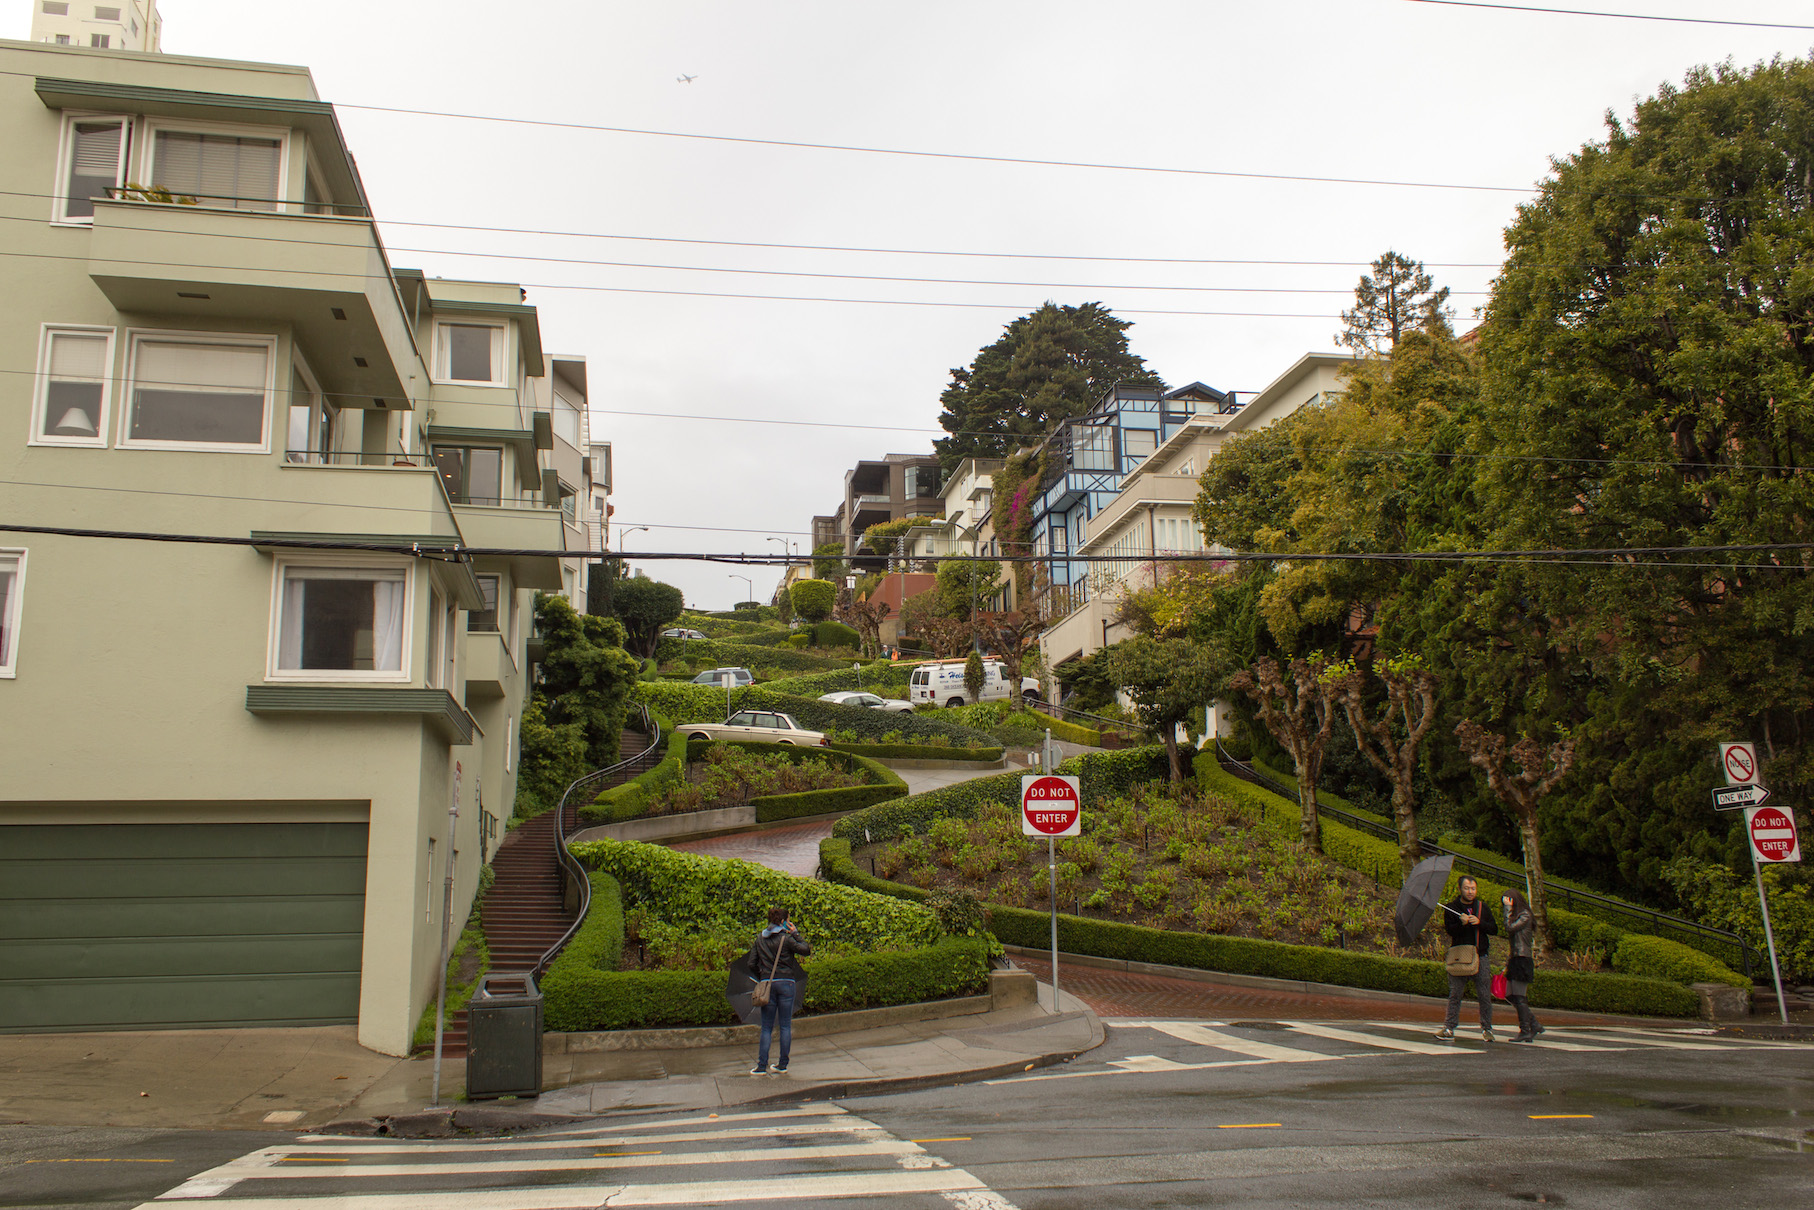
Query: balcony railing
<point>355,458</point>
<point>158,195</point>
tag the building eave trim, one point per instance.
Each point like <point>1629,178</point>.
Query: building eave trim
<point>436,707</point>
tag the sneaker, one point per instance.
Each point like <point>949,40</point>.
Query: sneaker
<point>1486,1035</point>
<point>1445,1033</point>
<point>758,1071</point>
<point>782,1070</point>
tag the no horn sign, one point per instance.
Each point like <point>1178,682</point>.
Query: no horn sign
<point>1051,804</point>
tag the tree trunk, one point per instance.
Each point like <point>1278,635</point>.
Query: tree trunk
<point>1308,831</point>
<point>1409,851</point>
<point>1171,753</point>
<point>1533,866</point>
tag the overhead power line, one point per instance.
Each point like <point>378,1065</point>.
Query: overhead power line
<point>1588,12</point>
<point>455,550</point>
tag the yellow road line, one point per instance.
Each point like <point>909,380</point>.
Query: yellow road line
<point>1550,1117</point>
<point>1250,1126</point>
<point>97,1161</point>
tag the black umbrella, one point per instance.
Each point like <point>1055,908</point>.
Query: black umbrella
<point>1422,894</point>
<point>740,981</point>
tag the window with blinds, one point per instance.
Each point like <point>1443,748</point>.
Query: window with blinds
<point>223,170</point>
<point>12,578</point>
<point>72,398</point>
<point>95,159</point>
<point>199,393</point>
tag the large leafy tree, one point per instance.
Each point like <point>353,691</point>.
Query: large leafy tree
<point>1649,381</point>
<point>586,676</point>
<point>1169,682</point>
<point>644,606</point>
<point>1048,365</point>
<point>1396,298</point>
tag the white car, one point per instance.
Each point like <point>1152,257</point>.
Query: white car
<point>767,726</point>
<point>869,700</point>
<point>681,632</point>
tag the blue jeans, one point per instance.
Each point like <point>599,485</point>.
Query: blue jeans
<point>780,1006</point>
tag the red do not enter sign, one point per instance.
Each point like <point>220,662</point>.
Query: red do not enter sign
<point>1051,804</point>
<point>1772,833</point>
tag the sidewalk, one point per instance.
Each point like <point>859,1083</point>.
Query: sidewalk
<point>304,1079</point>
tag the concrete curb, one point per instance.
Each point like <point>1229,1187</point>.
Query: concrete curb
<point>745,1035</point>
<point>1265,983</point>
<point>870,1088</point>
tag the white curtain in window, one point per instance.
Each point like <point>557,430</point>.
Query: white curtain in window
<point>289,639</point>
<point>387,625</point>
<point>182,364</point>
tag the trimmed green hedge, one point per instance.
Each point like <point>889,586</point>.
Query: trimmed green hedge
<point>882,678</point>
<point>986,756</point>
<point>1644,956</point>
<point>1070,733</point>
<point>884,783</point>
<point>1273,959</point>
<point>705,704</point>
<point>726,654</point>
<point>835,634</point>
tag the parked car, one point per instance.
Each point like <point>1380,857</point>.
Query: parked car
<point>769,726</point>
<point>681,632</point>
<point>869,700</point>
<point>943,684</point>
<point>740,677</point>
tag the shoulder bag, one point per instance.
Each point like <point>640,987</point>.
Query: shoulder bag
<point>1463,960</point>
<point>759,994</point>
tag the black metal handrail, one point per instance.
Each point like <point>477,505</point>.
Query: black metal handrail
<point>1569,896</point>
<point>1097,722</point>
<point>573,874</point>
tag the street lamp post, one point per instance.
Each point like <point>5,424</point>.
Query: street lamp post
<point>749,582</point>
<point>623,532</point>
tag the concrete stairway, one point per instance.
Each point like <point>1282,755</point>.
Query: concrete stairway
<point>523,916</point>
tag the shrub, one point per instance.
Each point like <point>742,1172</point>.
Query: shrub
<point>1660,958</point>
<point>882,678</point>
<point>705,704</point>
<point>1071,733</point>
<point>834,634</point>
<point>631,799</point>
<point>919,751</point>
<point>813,600</point>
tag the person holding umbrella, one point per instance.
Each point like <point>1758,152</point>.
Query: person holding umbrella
<point>1470,925</point>
<point>774,960</point>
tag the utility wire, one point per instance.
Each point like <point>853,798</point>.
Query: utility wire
<point>1607,556</point>
<point>1585,12</point>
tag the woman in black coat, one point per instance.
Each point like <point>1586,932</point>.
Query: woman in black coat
<point>775,957</point>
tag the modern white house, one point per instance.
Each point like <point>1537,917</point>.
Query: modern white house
<point>1148,524</point>
<point>249,658</point>
<point>119,25</point>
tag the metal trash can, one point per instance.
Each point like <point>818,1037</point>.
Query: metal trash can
<point>504,1038</point>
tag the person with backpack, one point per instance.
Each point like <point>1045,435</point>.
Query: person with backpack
<point>774,961</point>
<point>1470,925</point>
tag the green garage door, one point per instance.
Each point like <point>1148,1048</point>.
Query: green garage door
<point>164,925</point>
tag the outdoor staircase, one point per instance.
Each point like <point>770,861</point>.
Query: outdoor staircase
<point>523,914</point>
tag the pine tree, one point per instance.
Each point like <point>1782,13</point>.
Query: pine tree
<point>1394,299</point>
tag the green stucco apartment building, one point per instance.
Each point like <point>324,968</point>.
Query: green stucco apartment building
<point>226,769</point>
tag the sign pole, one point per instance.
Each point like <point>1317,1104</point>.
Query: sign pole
<point>1052,869</point>
<point>1763,902</point>
<point>1051,805</point>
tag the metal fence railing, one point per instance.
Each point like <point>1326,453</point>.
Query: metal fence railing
<point>1649,920</point>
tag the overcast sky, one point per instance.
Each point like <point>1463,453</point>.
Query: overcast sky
<point>1393,90</point>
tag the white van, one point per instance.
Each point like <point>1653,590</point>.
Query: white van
<point>943,684</point>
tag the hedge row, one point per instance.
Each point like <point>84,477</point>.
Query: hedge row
<point>725,654</point>
<point>705,704</point>
<point>1274,959</point>
<point>1070,733</point>
<point>882,678</point>
<point>987,756</point>
<point>883,784</point>
<point>1103,774</point>
<point>1648,957</point>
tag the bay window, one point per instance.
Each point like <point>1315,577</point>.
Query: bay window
<point>74,365</point>
<point>485,619</point>
<point>234,172</point>
<point>566,418</point>
<point>198,391</point>
<point>94,161</point>
<point>12,588</point>
<point>472,475</point>
<point>470,352</point>
<point>344,621</point>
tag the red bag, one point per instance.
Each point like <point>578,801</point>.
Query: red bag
<point>1499,985</point>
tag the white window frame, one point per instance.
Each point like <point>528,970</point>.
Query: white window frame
<point>15,609</point>
<point>41,387</point>
<point>147,156</point>
<point>66,149</point>
<point>129,380</point>
<point>443,352</point>
<point>318,675</point>
<point>340,438</point>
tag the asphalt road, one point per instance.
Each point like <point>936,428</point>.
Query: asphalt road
<point>1165,1114</point>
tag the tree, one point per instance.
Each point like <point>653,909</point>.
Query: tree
<point>1299,712</point>
<point>602,579</point>
<point>586,675</point>
<point>1539,769</point>
<point>1169,682</point>
<point>1390,733</point>
<point>813,600</point>
<point>1047,366</point>
<point>828,562</point>
<point>1649,381</point>
<point>1389,302</point>
<point>1013,636</point>
<point>645,606</point>
<point>975,676</point>
<point>964,587</point>
<point>866,616</point>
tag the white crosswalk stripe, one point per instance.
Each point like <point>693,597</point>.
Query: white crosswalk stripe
<point>819,1153</point>
<point>1233,1044</point>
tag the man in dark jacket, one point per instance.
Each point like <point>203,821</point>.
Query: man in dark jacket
<point>776,956</point>
<point>1469,921</point>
